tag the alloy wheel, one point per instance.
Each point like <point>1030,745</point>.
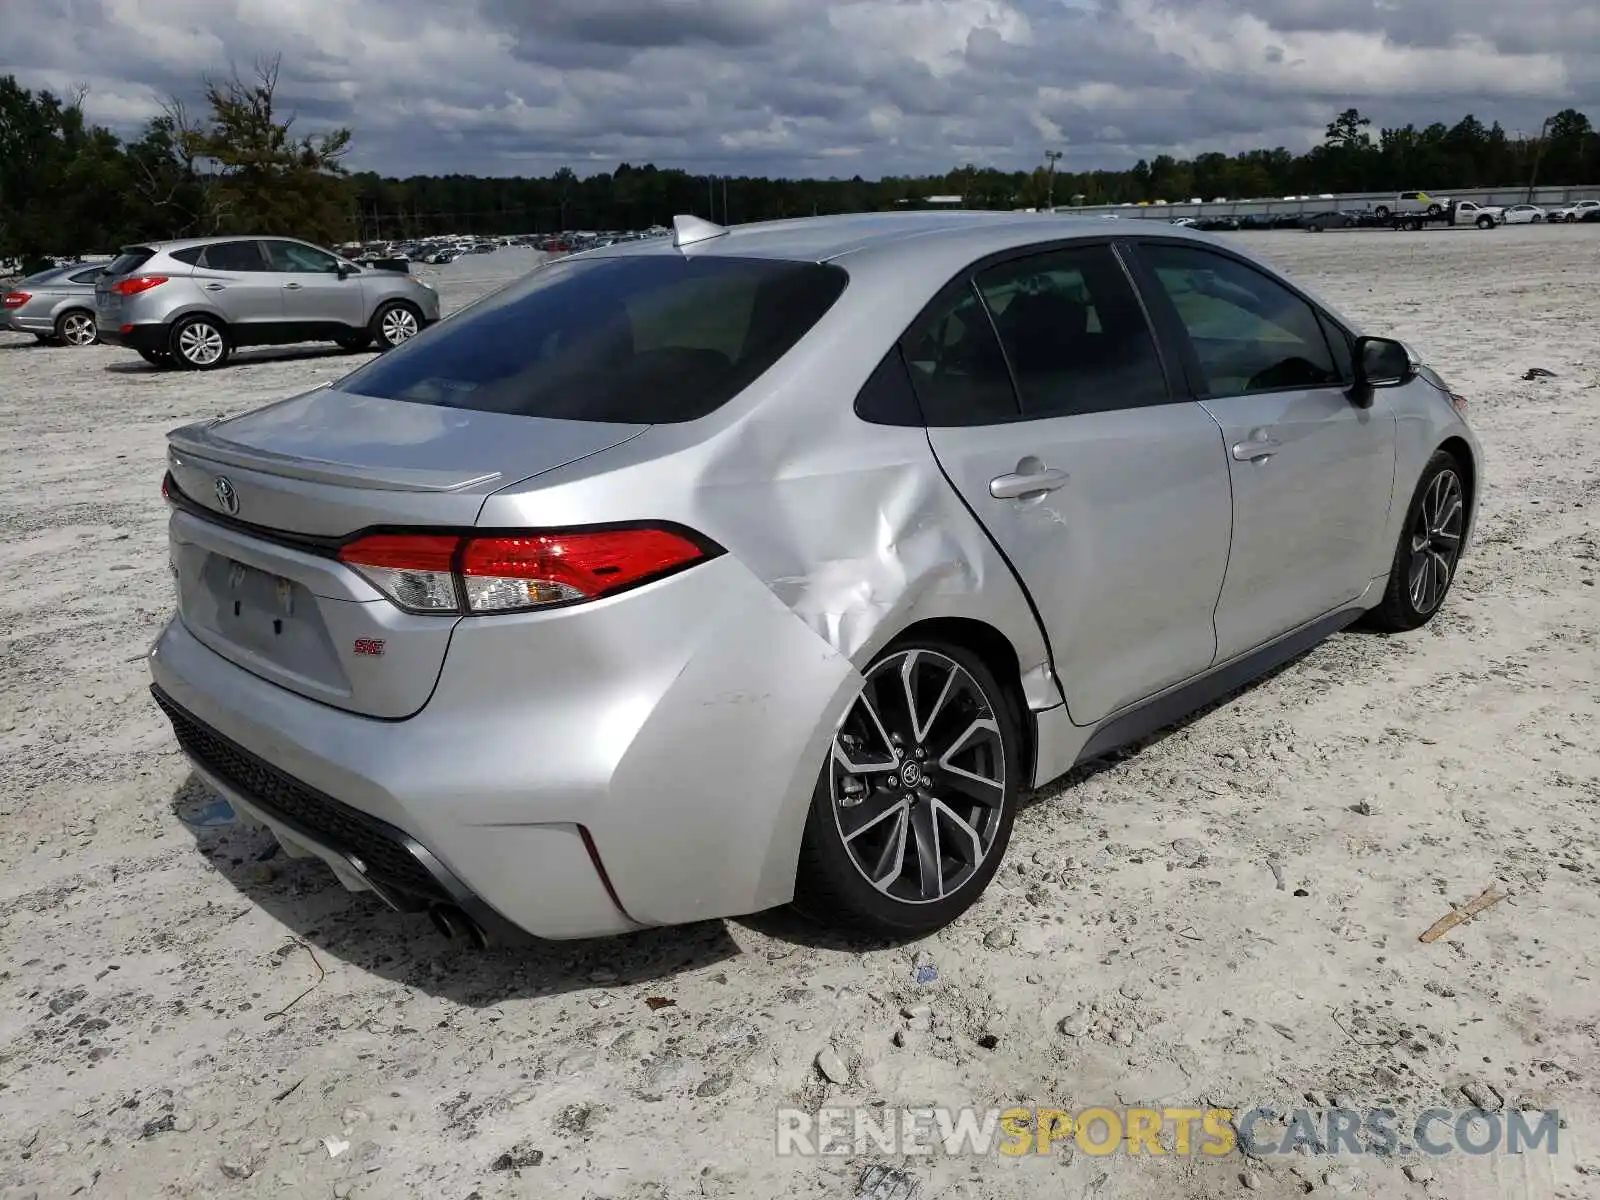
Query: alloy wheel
<point>78,329</point>
<point>200,343</point>
<point>1435,542</point>
<point>399,325</point>
<point>918,777</point>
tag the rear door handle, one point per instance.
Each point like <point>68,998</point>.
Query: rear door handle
<point>1014,485</point>
<point>291,287</point>
<point>215,287</point>
<point>1256,447</point>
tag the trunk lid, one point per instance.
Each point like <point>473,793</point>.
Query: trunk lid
<point>267,496</point>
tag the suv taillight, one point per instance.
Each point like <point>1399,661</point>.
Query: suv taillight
<point>135,284</point>
<point>15,299</point>
<point>519,572</point>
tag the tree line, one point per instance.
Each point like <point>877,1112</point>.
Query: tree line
<point>68,186</point>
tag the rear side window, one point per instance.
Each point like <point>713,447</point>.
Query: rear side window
<point>130,260</point>
<point>88,276</point>
<point>648,339</point>
<point>1074,333</point>
<point>190,255</point>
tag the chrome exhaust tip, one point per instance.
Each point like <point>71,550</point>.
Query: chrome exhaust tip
<point>455,925</point>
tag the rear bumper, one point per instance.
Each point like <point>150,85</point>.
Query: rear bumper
<point>675,732</point>
<point>148,339</point>
<point>16,322</point>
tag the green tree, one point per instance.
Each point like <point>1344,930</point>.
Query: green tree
<point>266,180</point>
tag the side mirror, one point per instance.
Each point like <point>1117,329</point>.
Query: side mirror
<point>1383,363</point>
<point>344,271</point>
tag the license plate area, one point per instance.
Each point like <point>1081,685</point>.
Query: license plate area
<point>267,622</point>
<point>252,597</point>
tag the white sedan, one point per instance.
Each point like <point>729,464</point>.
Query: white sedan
<point>1524,214</point>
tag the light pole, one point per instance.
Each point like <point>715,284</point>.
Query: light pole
<point>1051,157</point>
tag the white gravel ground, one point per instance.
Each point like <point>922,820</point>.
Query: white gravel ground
<point>143,966</point>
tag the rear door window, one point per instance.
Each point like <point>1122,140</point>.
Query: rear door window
<point>234,256</point>
<point>640,339</point>
<point>957,367</point>
<point>1074,333</point>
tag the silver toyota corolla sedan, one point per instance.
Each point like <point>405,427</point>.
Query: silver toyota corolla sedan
<point>690,577</point>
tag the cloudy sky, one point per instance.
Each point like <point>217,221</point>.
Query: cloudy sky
<point>822,87</point>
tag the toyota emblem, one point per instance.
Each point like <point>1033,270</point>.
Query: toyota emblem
<point>227,498</point>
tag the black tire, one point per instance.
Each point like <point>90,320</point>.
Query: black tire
<point>199,343</point>
<point>1485,222</point>
<point>353,342</point>
<point>156,358</point>
<point>76,327</point>
<point>1381,212</point>
<point>395,324</point>
<point>919,793</point>
<point>1435,210</point>
<point>1571,218</point>
<point>1430,544</point>
<point>1313,228</point>
<point>1536,219</point>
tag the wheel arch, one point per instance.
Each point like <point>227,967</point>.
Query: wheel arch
<point>996,652</point>
<point>1458,448</point>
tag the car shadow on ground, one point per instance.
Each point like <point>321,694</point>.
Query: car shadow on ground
<point>354,927</point>
<point>258,356</point>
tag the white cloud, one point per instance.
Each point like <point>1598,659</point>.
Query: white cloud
<point>795,86</point>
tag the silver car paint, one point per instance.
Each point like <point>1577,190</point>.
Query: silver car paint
<point>52,294</point>
<point>254,297</point>
<point>683,724</point>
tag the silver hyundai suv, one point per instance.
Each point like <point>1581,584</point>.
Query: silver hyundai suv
<point>191,303</point>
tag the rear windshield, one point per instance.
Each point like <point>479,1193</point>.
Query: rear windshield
<point>130,260</point>
<point>647,339</point>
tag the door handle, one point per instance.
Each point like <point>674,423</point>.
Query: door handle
<point>1256,448</point>
<point>215,287</point>
<point>291,287</point>
<point>1016,484</point>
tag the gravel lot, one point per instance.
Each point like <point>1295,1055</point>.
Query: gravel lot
<point>1229,915</point>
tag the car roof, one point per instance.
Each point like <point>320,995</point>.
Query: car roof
<point>171,244</point>
<point>824,239</point>
<point>920,252</point>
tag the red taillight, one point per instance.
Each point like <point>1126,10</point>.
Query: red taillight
<point>135,284</point>
<point>15,299</point>
<point>166,486</point>
<point>510,573</point>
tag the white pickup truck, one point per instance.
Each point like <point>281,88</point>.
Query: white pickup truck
<point>1452,212</point>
